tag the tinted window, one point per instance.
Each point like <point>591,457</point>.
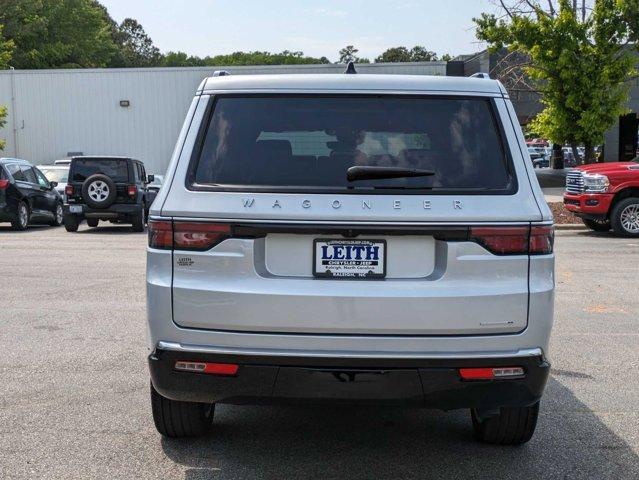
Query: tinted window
<point>29,174</point>
<point>310,142</point>
<point>16,173</point>
<point>42,180</point>
<point>83,169</point>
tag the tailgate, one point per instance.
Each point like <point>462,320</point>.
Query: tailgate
<point>434,283</point>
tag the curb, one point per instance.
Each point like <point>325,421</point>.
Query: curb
<point>570,226</point>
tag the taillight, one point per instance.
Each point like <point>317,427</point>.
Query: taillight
<point>542,240</point>
<point>202,236</point>
<point>160,234</point>
<point>68,190</point>
<point>4,184</point>
<point>199,236</point>
<point>132,190</point>
<point>514,240</point>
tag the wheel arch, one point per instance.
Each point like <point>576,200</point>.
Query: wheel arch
<point>621,195</point>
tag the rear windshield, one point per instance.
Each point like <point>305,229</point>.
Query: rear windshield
<point>83,169</point>
<point>303,142</point>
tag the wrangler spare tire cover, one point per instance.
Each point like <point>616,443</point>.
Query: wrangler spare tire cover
<point>99,191</point>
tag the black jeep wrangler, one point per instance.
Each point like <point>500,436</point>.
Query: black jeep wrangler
<point>106,188</point>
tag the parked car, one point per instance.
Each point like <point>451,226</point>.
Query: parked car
<point>154,187</point>
<point>58,174</point>
<point>569,158</point>
<point>605,196</point>
<point>538,157</point>
<point>379,240</point>
<point>26,196</point>
<point>106,188</point>
<point>63,161</point>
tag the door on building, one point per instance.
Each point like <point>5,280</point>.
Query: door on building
<point>628,133</point>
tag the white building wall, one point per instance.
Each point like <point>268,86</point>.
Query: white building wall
<point>54,112</point>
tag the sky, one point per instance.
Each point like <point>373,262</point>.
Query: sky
<point>318,28</point>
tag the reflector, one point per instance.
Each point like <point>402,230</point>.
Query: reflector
<point>209,368</point>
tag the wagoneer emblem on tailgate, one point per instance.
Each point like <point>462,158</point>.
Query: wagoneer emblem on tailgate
<point>366,204</point>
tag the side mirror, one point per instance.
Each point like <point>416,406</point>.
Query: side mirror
<point>53,184</point>
<point>150,178</point>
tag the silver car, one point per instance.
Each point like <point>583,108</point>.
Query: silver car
<point>350,239</point>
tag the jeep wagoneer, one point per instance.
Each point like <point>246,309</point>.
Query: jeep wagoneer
<point>357,238</point>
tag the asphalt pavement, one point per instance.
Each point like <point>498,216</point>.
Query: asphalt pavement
<point>74,400</point>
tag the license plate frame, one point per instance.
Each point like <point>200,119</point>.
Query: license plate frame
<point>378,273</point>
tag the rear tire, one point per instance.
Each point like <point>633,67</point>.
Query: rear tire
<point>71,223</point>
<point>597,225</point>
<point>23,215</point>
<point>176,419</point>
<point>625,217</point>
<point>138,221</point>
<point>513,426</point>
<point>58,216</point>
<point>92,222</point>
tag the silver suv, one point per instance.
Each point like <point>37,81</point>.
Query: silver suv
<point>350,238</point>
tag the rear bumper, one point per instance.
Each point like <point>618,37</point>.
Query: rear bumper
<point>428,382</point>
<point>115,211</point>
<point>589,205</point>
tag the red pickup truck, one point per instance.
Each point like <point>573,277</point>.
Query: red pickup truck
<point>605,196</point>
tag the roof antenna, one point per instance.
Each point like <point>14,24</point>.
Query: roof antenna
<point>350,69</point>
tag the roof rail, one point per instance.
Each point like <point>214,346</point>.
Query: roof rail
<point>220,73</point>
<point>480,75</point>
<point>350,69</point>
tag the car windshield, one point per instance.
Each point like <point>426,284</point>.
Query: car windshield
<point>84,168</point>
<point>290,141</point>
<point>60,175</point>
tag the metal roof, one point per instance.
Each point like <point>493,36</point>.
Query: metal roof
<point>359,82</point>
<point>5,160</point>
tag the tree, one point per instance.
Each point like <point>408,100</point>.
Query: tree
<point>402,54</point>
<point>420,54</point>
<point>349,54</point>
<point>579,57</point>
<point>135,47</point>
<point>6,49</point>
<point>57,33</point>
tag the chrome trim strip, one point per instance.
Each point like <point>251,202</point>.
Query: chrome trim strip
<point>178,347</point>
<point>346,222</point>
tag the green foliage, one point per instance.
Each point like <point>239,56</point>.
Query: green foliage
<point>6,50</point>
<point>135,47</point>
<point>57,33</point>
<point>580,67</point>
<point>3,122</point>
<point>349,54</point>
<point>181,59</point>
<point>402,54</point>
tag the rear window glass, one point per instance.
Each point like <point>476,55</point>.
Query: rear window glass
<point>293,142</point>
<point>117,170</point>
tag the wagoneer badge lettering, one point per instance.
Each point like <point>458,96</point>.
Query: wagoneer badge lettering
<point>366,204</point>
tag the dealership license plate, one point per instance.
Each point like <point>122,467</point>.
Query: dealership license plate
<point>339,258</point>
<point>75,208</point>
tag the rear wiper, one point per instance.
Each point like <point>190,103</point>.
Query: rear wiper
<point>374,173</point>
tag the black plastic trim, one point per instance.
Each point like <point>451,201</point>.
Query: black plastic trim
<point>433,383</point>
